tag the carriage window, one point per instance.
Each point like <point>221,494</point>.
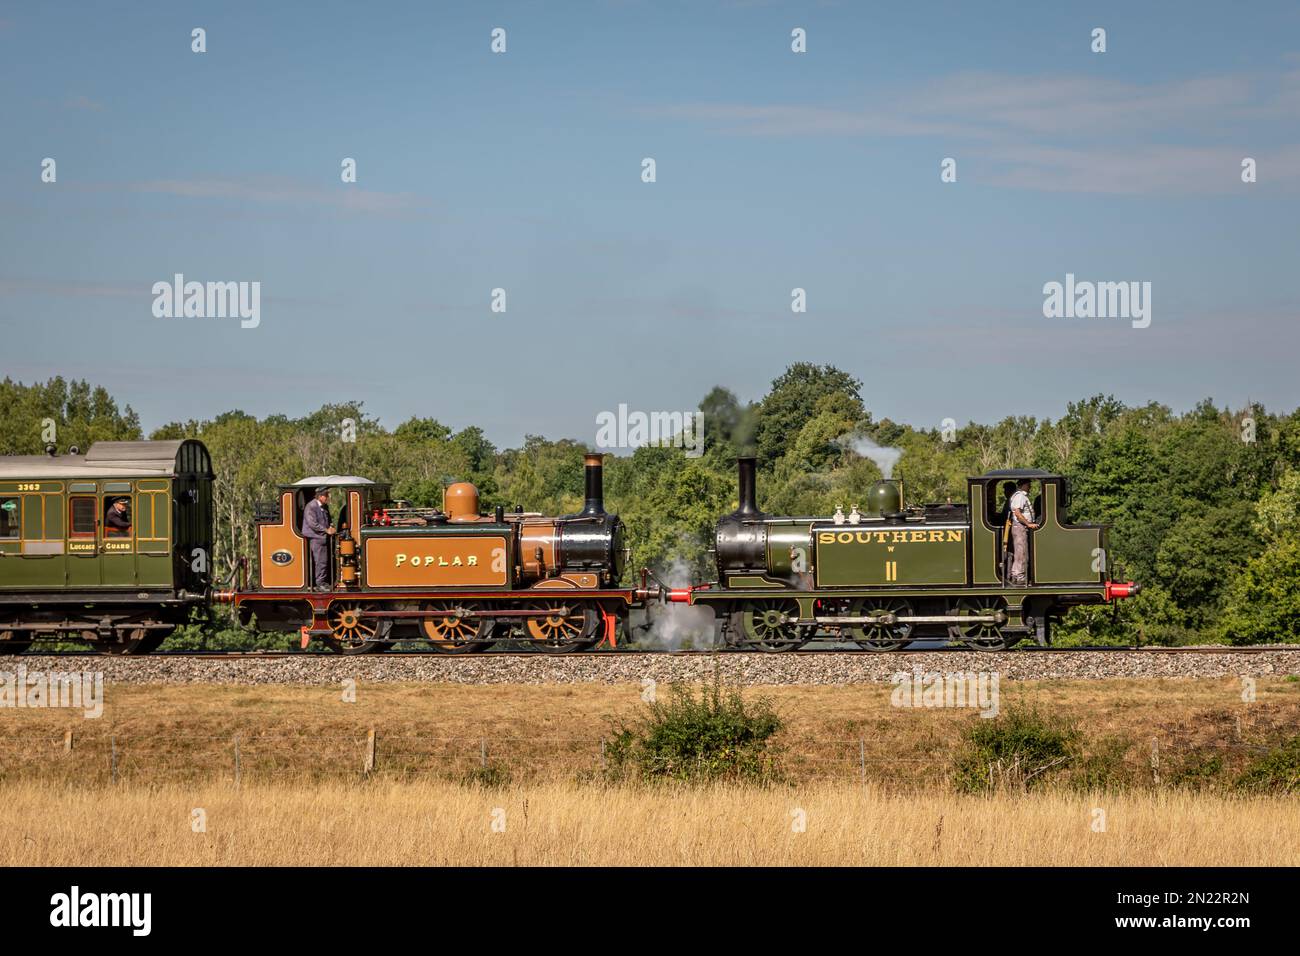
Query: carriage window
<point>81,517</point>
<point>117,516</point>
<point>9,517</point>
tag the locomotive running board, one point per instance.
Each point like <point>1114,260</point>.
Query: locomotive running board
<point>999,618</point>
<point>562,611</point>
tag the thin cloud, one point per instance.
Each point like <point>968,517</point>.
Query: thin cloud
<point>272,190</point>
<point>1140,170</point>
<point>69,287</point>
<point>82,102</point>
<point>1062,133</point>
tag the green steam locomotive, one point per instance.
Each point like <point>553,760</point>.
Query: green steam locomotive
<point>890,575</point>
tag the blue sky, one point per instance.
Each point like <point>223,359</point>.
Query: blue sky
<point>775,170</point>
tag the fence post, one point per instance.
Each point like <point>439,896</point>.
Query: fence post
<point>1155,760</point>
<point>112,760</point>
<point>238,768</point>
<point>67,742</point>
<point>862,760</point>
<point>370,751</point>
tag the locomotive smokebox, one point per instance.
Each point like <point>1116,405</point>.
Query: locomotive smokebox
<point>746,469</point>
<point>740,540</point>
<point>595,503</point>
<point>885,498</point>
<point>592,539</point>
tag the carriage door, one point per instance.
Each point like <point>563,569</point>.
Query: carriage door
<point>117,531</point>
<point>152,531</point>
<point>83,535</point>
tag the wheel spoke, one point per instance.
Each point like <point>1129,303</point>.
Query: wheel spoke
<point>878,636</point>
<point>768,625</point>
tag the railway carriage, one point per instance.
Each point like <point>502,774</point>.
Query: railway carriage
<point>112,546</point>
<point>891,574</point>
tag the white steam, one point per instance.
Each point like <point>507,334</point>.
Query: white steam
<point>675,627</point>
<point>885,458</point>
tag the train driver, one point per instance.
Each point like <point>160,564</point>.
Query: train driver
<point>117,523</point>
<point>316,528</point>
<point>1004,520</point>
<point>1022,522</point>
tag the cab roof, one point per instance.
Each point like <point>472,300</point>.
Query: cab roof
<point>330,481</point>
<point>1019,473</point>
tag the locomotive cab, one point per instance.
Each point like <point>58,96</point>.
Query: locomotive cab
<point>1060,551</point>
<point>281,548</point>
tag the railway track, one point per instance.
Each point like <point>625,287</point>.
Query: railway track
<point>217,655</point>
<point>636,666</point>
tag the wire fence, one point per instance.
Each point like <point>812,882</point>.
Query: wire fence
<point>98,757</point>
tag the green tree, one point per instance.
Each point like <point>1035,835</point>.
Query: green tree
<point>795,399</point>
<point>1263,604</point>
<point>81,414</point>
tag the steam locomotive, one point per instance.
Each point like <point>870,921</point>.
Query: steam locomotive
<point>891,574</point>
<point>459,579</point>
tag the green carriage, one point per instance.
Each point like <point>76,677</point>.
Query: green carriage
<point>112,547</point>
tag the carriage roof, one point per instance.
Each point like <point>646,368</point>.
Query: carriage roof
<point>116,459</point>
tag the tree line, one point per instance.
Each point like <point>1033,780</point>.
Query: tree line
<point>1203,505</point>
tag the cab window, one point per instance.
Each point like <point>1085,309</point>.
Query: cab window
<point>81,518</point>
<point>9,517</point>
<point>1035,493</point>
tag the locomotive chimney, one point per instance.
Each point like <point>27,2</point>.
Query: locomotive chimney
<point>748,504</point>
<point>595,503</point>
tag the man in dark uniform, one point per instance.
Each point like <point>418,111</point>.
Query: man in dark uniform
<point>117,523</point>
<point>317,529</point>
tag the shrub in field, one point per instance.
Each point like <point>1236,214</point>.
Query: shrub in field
<point>1198,770</point>
<point>1019,749</point>
<point>494,776</point>
<point>697,737</point>
<point>1277,771</point>
<point>1103,765</point>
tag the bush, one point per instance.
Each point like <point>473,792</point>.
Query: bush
<point>697,738</point>
<point>1198,770</point>
<point>494,776</point>
<point>1017,750</point>
<point>1277,771</point>
<point>213,629</point>
<point>1104,767</point>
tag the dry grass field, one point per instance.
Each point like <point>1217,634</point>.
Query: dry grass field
<point>174,733</point>
<point>501,774</point>
<point>430,823</point>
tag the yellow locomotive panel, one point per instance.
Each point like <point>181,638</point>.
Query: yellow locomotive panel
<point>442,561</point>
